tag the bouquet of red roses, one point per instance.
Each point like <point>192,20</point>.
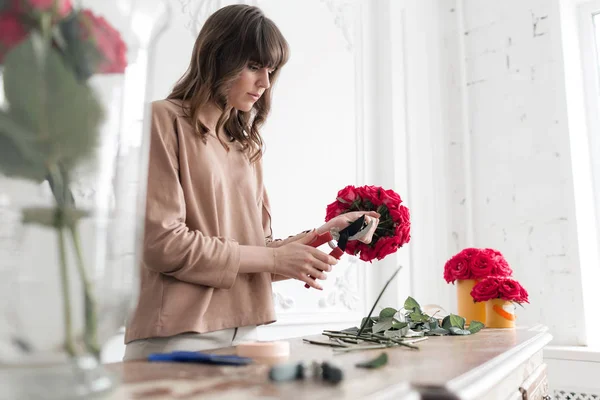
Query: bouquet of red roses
<point>472,263</point>
<point>499,287</point>
<point>393,230</point>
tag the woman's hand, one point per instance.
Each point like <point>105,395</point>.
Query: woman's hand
<point>343,220</point>
<point>300,261</point>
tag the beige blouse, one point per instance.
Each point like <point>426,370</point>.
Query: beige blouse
<point>203,202</point>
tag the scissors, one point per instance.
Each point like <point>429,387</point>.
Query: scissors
<point>355,231</point>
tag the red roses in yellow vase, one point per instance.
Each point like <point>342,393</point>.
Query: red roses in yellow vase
<point>499,295</point>
<point>467,268</point>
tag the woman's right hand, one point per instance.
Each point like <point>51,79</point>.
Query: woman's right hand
<point>300,261</point>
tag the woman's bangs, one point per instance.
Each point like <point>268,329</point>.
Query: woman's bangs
<point>270,48</point>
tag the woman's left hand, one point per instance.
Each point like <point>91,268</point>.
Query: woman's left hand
<point>343,220</point>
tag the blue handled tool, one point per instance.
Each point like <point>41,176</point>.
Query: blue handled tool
<point>199,357</point>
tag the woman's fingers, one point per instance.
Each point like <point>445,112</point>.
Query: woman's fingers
<point>322,260</point>
<point>368,235</point>
<point>314,270</point>
<point>320,267</point>
<point>310,281</point>
<point>373,214</point>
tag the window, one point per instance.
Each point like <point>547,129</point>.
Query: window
<point>589,46</point>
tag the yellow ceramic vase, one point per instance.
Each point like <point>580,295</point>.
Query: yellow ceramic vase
<point>500,314</point>
<point>467,308</point>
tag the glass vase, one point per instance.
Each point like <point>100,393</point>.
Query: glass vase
<point>68,274</point>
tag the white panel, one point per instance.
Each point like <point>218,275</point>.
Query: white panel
<point>311,139</point>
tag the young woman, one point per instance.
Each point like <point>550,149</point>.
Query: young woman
<point>209,258</point>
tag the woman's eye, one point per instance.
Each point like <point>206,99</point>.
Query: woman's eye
<point>253,67</point>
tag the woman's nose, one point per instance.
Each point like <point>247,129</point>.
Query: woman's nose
<point>264,81</point>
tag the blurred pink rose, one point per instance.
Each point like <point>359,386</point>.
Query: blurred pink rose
<point>108,41</point>
<point>12,32</point>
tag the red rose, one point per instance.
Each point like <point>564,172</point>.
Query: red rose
<point>523,296</point>
<point>502,267</point>
<point>510,289</point>
<point>12,32</point>
<point>347,194</point>
<point>488,288</point>
<point>459,266</point>
<point>370,193</point>
<point>391,199</point>
<point>403,233</point>
<point>352,247</point>
<point>384,246</point>
<point>334,209</point>
<point>396,214</point>
<point>482,265</point>
<point>367,253</point>
<point>108,42</point>
<point>400,215</point>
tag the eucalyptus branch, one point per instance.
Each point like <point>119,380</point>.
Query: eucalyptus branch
<point>397,341</point>
<point>361,348</point>
<point>351,336</point>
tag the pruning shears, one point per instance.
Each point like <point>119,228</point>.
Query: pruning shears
<point>355,231</point>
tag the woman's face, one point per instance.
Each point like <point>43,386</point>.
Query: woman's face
<point>249,86</point>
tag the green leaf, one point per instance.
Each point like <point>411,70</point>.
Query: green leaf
<point>14,162</point>
<point>399,330</point>
<point>418,317</point>
<point>377,362</point>
<point>367,322</point>
<point>398,325</point>
<point>458,321</point>
<point>52,217</point>
<point>475,326</point>
<point>383,325</point>
<point>411,304</point>
<point>395,334</point>
<point>454,330</point>
<point>388,312</point>
<point>434,323</point>
<point>437,332</point>
<point>453,320</point>
<point>46,99</point>
<point>411,334</point>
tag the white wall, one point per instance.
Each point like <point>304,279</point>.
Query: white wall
<point>523,199</point>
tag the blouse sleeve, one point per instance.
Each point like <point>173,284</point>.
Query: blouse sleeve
<point>170,247</point>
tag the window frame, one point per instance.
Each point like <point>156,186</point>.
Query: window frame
<point>588,21</point>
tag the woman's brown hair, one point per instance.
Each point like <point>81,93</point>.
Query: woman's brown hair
<point>231,38</point>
